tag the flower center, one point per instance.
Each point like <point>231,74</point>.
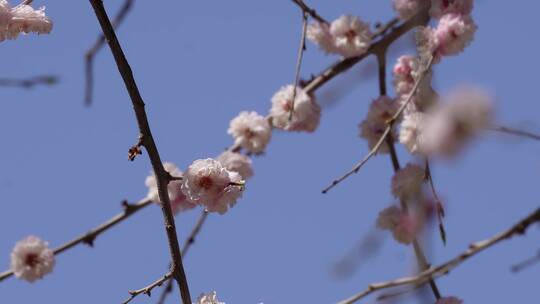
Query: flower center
<point>350,35</point>
<point>31,260</point>
<point>205,182</point>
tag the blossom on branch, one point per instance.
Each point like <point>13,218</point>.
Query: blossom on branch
<point>22,19</point>
<point>251,131</point>
<point>443,7</point>
<point>178,200</point>
<point>209,298</point>
<point>407,182</point>
<point>410,132</point>
<point>319,33</point>
<point>372,128</point>
<point>407,8</point>
<point>406,71</point>
<point>236,162</point>
<point>306,113</point>
<point>210,184</point>
<point>404,227</point>
<point>351,35</point>
<point>31,259</point>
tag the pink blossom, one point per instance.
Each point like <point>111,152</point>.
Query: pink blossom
<point>404,227</point>
<point>407,8</point>
<point>251,131</point>
<point>372,128</point>
<point>449,300</point>
<point>228,197</point>
<point>407,182</point>
<point>443,7</point>
<point>31,259</point>
<point>351,35</point>
<point>306,114</point>
<point>319,33</point>
<point>406,72</point>
<point>178,200</point>
<point>236,162</point>
<point>209,298</point>
<point>22,19</point>
<point>410,132</point>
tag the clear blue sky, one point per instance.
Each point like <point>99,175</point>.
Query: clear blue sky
<point>199,63</point>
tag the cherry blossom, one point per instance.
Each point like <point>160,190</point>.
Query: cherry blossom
<point>443,7</point>
<point>251,131</point>
<point>209,298</point>
<point>319,33</point>
<point>410,132</point>
<point>31,259</point>
<point>306,114</point>
<point>178,200</point>
<point>236,162</point>
<point>407,8</point>
<point>351,35</point>
<point>407,182</point>
<point>404,227</point>
<point>22,19</point>
<point>372,128</point>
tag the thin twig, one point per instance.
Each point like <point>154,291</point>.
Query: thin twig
<point>161,175</point>
<point>443,269</point>
<point>148,289</point>
<point>309,11</point>
<point>92,51</point>
<point>439,208</point>
<point>301,50</point>
<point>90,236</point>
<point>515,132</point>
<point>526,263</point>
<point>29,83</point>
<point>390,125</point>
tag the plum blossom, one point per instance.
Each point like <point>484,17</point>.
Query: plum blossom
<point>31,259</point>
<point>380,111</point>
<point>306,115</point>
<point>455,122</point>
<point>251,131</point>
<point>407,182</point>
<point>443,7</point>
<point>319,33</point>
<point>351,36</point>
<point>209,298</point>
<point>236,162</point>
<point>451,36</point>
<point>410,132</point>
<point>407,8</point>
<point>178,200</point>
<point>22,19</point>
<point>404,227</point>
<point>449,300</point>
<point>406,71</point>
<point>208,183</point>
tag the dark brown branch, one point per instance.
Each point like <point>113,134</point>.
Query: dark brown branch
<point>92,51</point>
<point>515,132</point>
<point>443,269</point>
<point>439,208</point>
<point>306,9</point>
<point>89,237</point>
<point>29,83</point>
<point>177,266</point>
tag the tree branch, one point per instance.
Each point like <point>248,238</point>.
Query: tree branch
<point>301,50</point>
<point>29,83</point>
<point>90,236</point>
<point>516,132</point>
<point>92,51</point>
<point>443,269</point>
<point>148,289</point>
<point>306,9</point>
<point>150,146</point>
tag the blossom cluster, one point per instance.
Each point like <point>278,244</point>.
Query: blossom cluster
<point>22,19</point>
<point>31,259</point>
<point>347,36</point>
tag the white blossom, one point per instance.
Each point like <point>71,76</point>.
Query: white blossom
<point>410,132</point>
<point>251,131</point>
<point>351,35</point>
<point>452,124</point>
<point>31,259</point>
<point>22,19</point>
<point>319,33</point>
<point>236,162</point>
<point>406,71</point>
<point>407,182</point>
<point>209,298</point>
<point>306,114</point>
<point>178,200</point>
<point>407,8</point>
<point>208,183</point>
<point>372,128</point>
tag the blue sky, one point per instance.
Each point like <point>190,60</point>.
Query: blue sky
<point>198,64</point>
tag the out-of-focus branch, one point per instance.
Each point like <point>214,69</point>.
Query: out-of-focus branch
<point>526,263</point>
<point>439,208</point>
<point>516,132</point>
<point>29,83</point>
<point>390,125</point>
<point>187,244</point>
<point>90,236</point>
<point>92,51</point>
<point>442,269</point>
<point>162,180</point>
